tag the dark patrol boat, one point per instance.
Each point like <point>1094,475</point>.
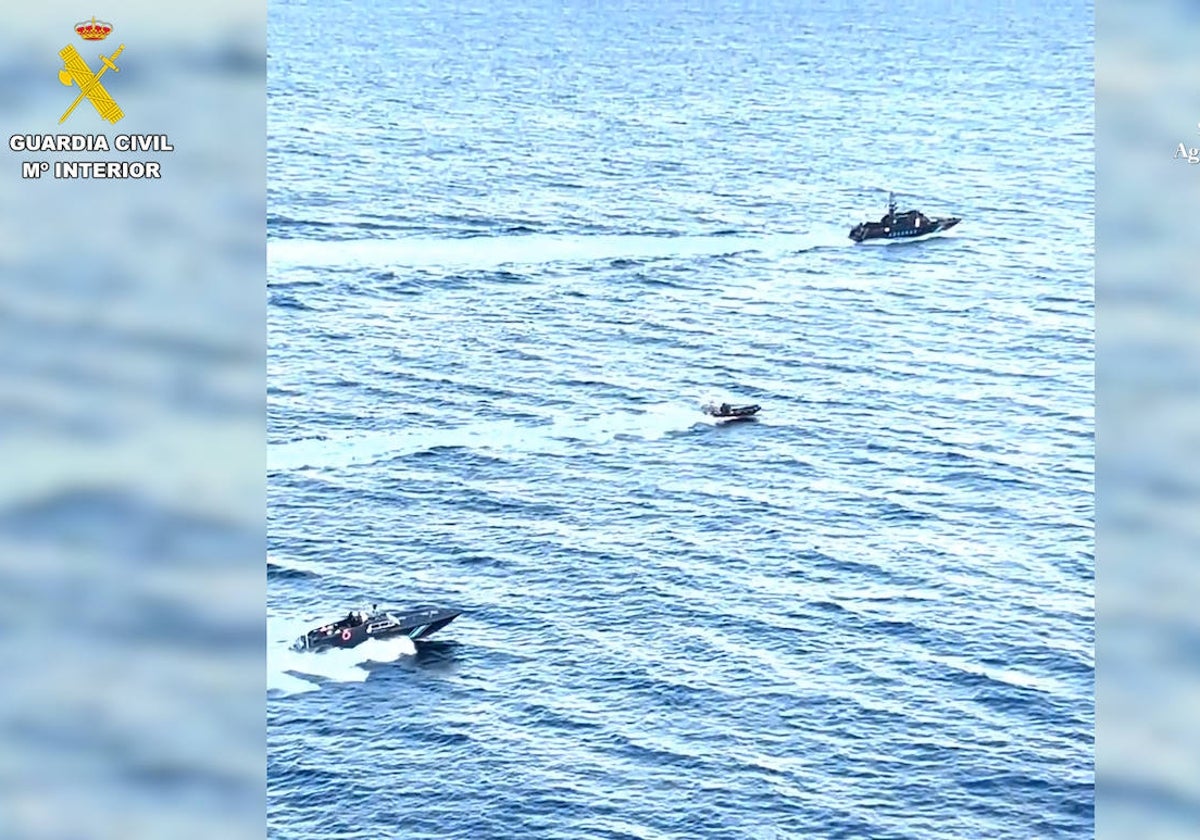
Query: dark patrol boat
<point>727,411</point>
<point>904,225</point>
<point>416,623</point>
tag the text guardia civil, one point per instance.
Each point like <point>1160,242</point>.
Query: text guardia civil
<point>91,169</point>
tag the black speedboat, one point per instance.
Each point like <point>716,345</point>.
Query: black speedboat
<point>904,225</point>
<point>727,411</point>
<point>416,623</point>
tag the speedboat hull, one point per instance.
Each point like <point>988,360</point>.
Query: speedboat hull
<point>732,412</point>
<point>418,623</point>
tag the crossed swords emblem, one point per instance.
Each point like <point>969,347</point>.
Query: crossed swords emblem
<point>76,71</point>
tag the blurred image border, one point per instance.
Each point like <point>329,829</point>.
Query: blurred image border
<point>132,430</point>
<point>1147,411</point>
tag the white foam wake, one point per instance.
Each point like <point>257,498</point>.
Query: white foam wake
<point>651,423</point>
<point>288,671</point>
<point>495,437</point>
<point>490,252</point>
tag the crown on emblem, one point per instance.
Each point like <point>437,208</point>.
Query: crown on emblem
<point>93,30</point>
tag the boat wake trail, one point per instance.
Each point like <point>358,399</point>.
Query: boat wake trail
<point>289,672</point>
<point>653,423</point>
<point>557,434</point>
<point>491,252</point>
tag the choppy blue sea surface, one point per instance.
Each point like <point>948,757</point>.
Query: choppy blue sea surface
<point>512,249</point>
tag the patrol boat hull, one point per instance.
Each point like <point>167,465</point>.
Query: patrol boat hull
<point>895,225</point>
